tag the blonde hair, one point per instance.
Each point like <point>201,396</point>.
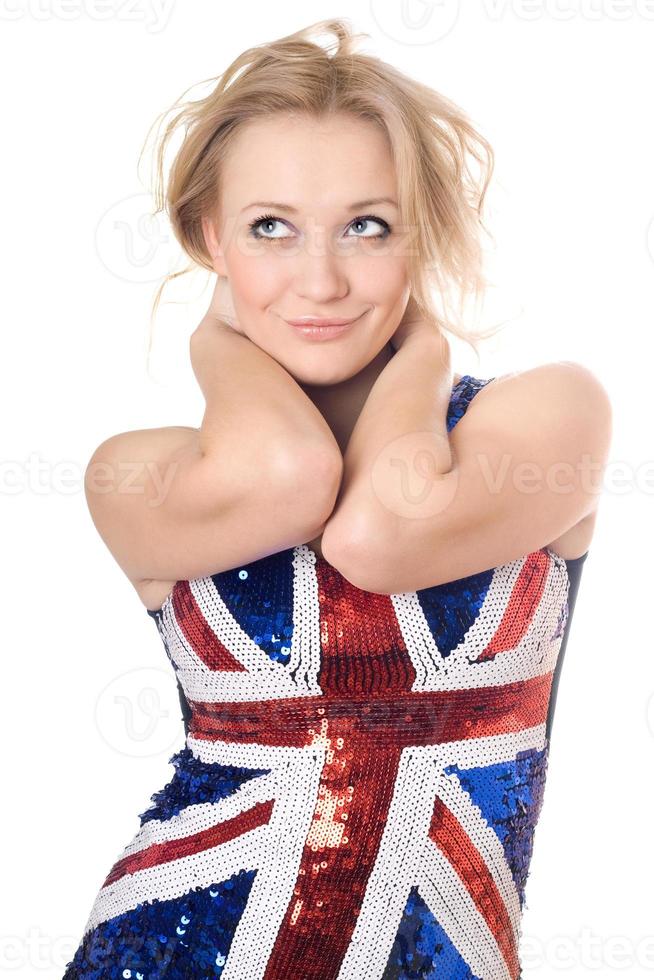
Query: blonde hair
<point>432,143</point>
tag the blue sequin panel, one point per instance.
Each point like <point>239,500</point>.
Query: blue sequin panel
<point>259,596</point>
<point>196,782</point>
<point>451,608</point>
<point>462,394</point>
<point>510,796</point>
<point>422,949</point>
<point>166,940</point>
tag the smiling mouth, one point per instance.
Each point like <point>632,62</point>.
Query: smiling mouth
<point>326,329</point>
<point>314,321</point>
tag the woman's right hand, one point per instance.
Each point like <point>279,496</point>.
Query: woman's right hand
<point>220,317</point>
<point>221,307</point>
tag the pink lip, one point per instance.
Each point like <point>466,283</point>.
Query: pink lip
<point>311,321</point>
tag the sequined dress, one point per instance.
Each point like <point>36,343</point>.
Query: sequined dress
<point>360,782</point>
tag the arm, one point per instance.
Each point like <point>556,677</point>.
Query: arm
<point>255,411</point>
<point>254,407</point>
<point>525,465</point>
<point>397,455</point>
<point>260,475</point>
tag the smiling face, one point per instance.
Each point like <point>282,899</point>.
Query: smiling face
<point>327,252</point>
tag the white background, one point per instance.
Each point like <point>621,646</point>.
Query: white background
<point>563,91</point>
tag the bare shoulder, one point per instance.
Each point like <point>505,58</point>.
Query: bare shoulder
<point>562,385</point>
<point>128,463</point>
<point>170,511</point>
<point>555,414</point>
<point>559,402</point>
<point>163,438</point>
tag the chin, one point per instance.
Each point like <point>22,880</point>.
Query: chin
<point>329,372</point>
<point>322,367</point>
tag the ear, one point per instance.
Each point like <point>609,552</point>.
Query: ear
<point>213,246</point>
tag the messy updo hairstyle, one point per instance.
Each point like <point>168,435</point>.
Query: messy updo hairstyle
<point>432,142</point>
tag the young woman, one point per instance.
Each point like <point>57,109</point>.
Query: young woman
<point>365,607</point>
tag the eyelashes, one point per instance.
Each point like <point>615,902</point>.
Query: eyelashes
<point>254,226</point>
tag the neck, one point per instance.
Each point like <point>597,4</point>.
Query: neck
<point>340,404</point>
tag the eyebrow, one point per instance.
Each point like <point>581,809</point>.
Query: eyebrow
<point>355,206</point>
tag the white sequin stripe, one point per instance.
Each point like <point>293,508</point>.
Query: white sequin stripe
<point>273,850</point>
<point>492,611</point>
<point>485,839</point>
<point>536,652</point>
<point>276,879</point>
<point>252,755</point>
<point>418,638</point>
<point>263,678</point>
<point>394,871</point>
<point>234,638</point>
<point>304,661</point>
<point>466,753</point>
<point>488,750</point>
<point>534,655</point>
<point>199,816</point>
<point>438,670</point>
<point>172,879</point>
<point>453,672</point>
<point>454,909</point>
<point>402,847</point>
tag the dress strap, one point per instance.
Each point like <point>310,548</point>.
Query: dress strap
<point>462,394</point>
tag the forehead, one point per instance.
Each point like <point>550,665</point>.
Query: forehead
<point>302,160</point>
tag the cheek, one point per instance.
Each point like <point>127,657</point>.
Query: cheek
<point>254,282</point>
<point>390,277</point>
<point>379,277</point>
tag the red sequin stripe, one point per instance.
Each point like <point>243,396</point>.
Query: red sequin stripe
<point>519,612</point>
<point>356,789</point>
<point>451,838</point>
<point>362,646</point>
<point>199,634</point>
<point>412,718</point>
<point>170,850</point>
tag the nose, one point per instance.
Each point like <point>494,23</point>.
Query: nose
<point>320,275</point>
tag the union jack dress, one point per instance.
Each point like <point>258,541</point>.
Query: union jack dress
<point>360,782</point>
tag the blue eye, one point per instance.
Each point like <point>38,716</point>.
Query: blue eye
<point>265,219</point>
<point>271,219</point>
<point>368,218</point>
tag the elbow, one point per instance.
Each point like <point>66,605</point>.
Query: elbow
<point>310,481</point>
<point>357,566</point>
<point>360,555</point>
